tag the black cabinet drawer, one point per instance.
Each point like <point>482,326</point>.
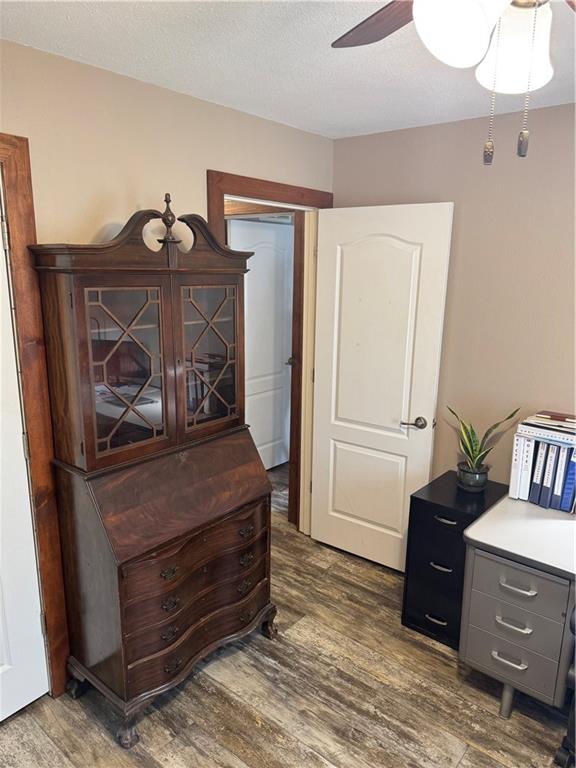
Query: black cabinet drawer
<point>439,514</point>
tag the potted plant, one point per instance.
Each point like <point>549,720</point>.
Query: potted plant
<point>473,473</point>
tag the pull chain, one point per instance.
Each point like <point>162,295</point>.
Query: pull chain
<point>488,154</point>
<point>524,135</point>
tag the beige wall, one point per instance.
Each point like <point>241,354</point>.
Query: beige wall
<point>509,324</point>
<point>103,145</point>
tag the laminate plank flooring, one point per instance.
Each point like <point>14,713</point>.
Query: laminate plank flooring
<point>343,686</point>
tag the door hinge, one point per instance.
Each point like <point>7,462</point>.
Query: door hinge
<point>5,236</point>
<point>26,445</point>
<point>310,486</point>
<point>316,252</point>
<point>71,300</point>
<point>82,448</point>
<point>313,374</point>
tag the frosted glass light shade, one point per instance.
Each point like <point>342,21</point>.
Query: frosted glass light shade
<point>515,50</point>
<point>457,32</point>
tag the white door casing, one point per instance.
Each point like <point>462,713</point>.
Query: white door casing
<point>381,286</point>
<point>23,665</point>
<point>268,332</point>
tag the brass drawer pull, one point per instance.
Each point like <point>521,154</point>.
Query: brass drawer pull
<point>521,630</point>
<point>434,620</point>
<point>520,667</point>
<point>169,634</point>
<point>172,666</point>
<point>246,559</point>
<point>517,590</point>
<point>247,531</point>
<point>170,603</point>
<point>169,573</point>
<point>245,586</point>
<point>445,520</point>
<point>441,568</point>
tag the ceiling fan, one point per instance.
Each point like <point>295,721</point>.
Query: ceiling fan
<point>392,17</point>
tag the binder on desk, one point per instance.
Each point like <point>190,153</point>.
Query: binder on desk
<point>536,485</point>
<point>564,455</point>
<point>567,501</point>
<point>517,451</point>
<point>526,468</point>
<point>548,477</point>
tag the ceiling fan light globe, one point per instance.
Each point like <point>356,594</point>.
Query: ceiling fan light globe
<point>512,57</point>
<point>457,32</point>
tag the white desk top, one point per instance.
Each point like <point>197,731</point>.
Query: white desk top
<point>543,538</point>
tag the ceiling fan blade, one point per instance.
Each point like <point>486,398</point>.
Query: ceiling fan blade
<point>572,4</point>
<point>393,16</point>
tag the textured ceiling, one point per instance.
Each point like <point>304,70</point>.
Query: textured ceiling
<point>274,59</point>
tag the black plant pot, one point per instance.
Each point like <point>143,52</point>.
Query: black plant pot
<point>472,480</point>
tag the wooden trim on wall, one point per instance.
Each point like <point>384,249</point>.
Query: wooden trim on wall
<point>220,184</point>
<point>15,161</point>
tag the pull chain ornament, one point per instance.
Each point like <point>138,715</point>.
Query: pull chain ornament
<point>488,154</point>
<point>524,135</point>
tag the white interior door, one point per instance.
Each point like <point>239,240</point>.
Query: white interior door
<point>381,281</point>
<point>23,668</point>
<point>268,332</point>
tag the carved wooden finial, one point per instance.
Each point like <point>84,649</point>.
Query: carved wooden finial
<point>169,220</point>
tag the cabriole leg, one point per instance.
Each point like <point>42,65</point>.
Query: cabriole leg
<point>128,735</point>
<point>268,628</point>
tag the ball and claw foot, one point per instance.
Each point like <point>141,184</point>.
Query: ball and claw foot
<point>128,735</point>
<point>76,688</point>
<point>269,629</point>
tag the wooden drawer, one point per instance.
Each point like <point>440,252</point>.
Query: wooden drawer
<point>162,636</point>
<point>161,669</point>
<point>517,625</point>
<point>166,568</point>
<point>169,605</point>
<point>525,587</point>
<point>511,663</point>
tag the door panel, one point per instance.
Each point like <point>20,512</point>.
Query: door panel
<point>380,305</point>
<point>23,667</point>
<point>268,322</point>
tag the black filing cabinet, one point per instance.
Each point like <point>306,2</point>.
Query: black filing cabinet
<point>435,556</point>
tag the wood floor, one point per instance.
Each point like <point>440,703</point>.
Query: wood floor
<point>344,685</point>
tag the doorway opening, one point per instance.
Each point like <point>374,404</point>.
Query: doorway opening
<point>266,217</point>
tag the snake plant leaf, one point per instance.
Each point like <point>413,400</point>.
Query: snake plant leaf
<point>466,452</point>
<point>465,439</point>
<point>490,431</point>
<point>479,460</point>
<point>474,439</point>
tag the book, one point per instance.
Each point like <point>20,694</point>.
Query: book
<point>554,416</point>
<point>564,455</point>
<point>547,433</point>
<point>567,501</point>
<point>528,453</point>
<point>536,484</point>
<point>517,451</point>
<point>548,477</point>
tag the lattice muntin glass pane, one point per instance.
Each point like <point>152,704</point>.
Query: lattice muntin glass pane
<point>125,341</point>
<point>209,314</point>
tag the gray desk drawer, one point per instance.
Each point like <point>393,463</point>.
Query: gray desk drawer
<point>517,625</point>
<point>516,584</point>
<point>511,663</point>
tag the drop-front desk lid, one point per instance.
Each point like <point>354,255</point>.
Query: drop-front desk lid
<point>150,504</point>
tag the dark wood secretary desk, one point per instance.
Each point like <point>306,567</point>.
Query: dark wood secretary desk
<point>164,503</point>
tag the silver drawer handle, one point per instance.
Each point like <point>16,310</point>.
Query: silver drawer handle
<point>521,630</point>
<point>520,667</point>
<point>436,621</point>
<point>441,568</point>
<point>518,590</point>
<point>445,520</point>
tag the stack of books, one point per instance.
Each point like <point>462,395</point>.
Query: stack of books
<point>544,461</point>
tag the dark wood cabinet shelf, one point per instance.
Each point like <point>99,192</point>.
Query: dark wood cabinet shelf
<point>164,503</point>
<point>435,556</point>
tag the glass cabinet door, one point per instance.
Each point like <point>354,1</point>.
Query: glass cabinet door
<point>126,359</point>
<point>208,363</point>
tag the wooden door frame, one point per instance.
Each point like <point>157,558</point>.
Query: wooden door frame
<point>220,184</point>
<point>29,327</point>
